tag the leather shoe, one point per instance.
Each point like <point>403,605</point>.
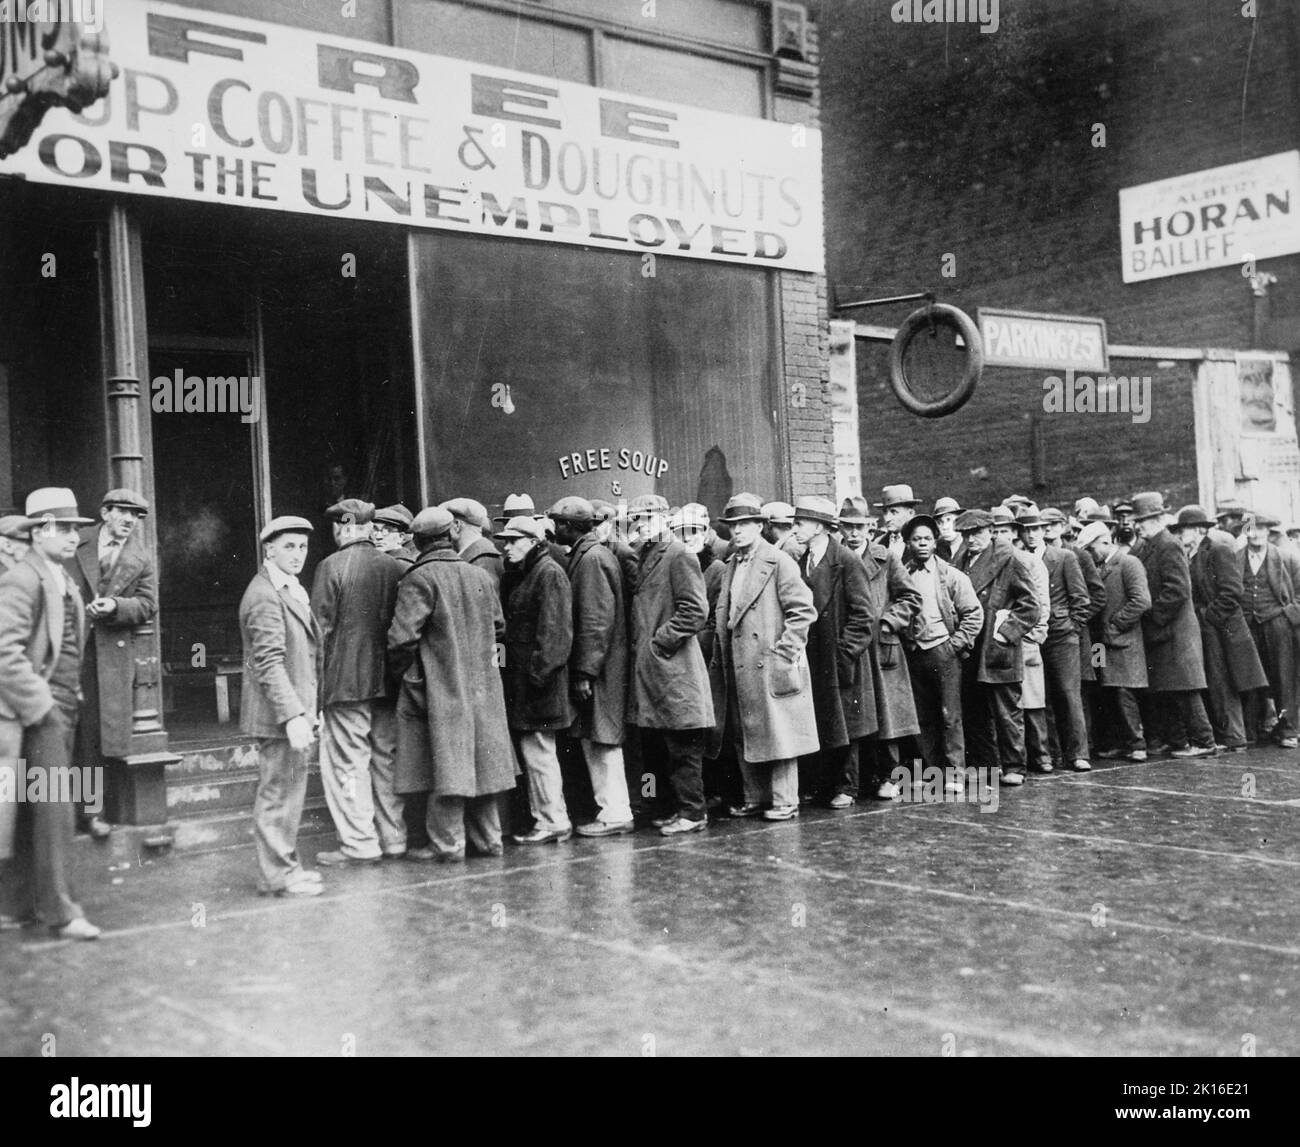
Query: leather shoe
<point>11,923</point>
<point>680,824</point>
<point>1193,751</point>
<point>888,791</point>
<point>78,929</point>
<point>842,800</point>
<point>604,828</point>
<point>297,888</point>
<point>740,811</point>
<point>782,812</point>
<point>1138,756</point>
<point>343,860</point>
<point>541,836</point>
<point>1082,766</point>
<point>99,828</point>
<point>1013,779</point>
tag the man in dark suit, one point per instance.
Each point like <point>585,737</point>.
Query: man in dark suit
<point>1271,602</point>
<point>280,702</point>
<point>992,719</point>
<point>42,635</point>
<point>116,578</point>
<point>1175,664</point>
<point>352,597</point>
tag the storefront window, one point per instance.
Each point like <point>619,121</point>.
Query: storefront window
<point>661,73</point>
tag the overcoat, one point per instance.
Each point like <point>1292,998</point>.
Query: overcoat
<point>453,738</point>
<point>844,694</point>
<point>1004,586</point>
<point>1170,632</point>
<point>1216,597</point>
<point>670,681</point>
<point>1097,601</point>
<point>108,669</point>
<point>483,554</point>
<point>894,602</point>
<point>281,659</point>
<point>1033,685</point>
<point>599,640</point>
<point>539,639</point>
<point>763,657</point>
<point>1118,627</point>
<point>352,597</point>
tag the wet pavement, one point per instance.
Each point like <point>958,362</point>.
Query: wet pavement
<point>1136,910</point>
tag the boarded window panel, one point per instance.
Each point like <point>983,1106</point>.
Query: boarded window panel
<point>675,368</point>
<point>736,23</point>
<point>660,73</point>
<point>369,23</point>
<point>505,41</point>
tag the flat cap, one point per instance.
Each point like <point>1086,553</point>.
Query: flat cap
<point>1265,519</point>
<point>14,526</point>
<point>351,510</point>
<point>431,522</point>
<point>1092,532</point>
<point>647,503</point>
<point>1014,500</point>
<point>285,524</point>
<point>399,517</point>
<point>574,509</point>
<point>1052,514</point>
<point>467,510</point>
<point>522,526</point>
<point>973,520</point>
<point>128,499</point>
<point>779,513</point>
<point>699,509</point>
<point>604,510</point>
<point>689,518</point>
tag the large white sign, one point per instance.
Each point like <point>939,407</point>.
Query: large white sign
<point>227,110</point>
<point>1213,218</point>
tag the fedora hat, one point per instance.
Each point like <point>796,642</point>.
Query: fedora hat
<point>853,512</point>
<point>1192,516</point>
<point>1101,514</point>
<point>53,504</point>
<point>743,508</point>
<point>815,509</point>
<point>14,526</point>
<point>1002,516</point>
<point>515,505</point>
<point>897,496</point>
<point>1148,504</point>
<point>1090,533</point>
<point>778,513</point>
<point>1028,518</point>
<point>1052,514</point>
<point>946,506</point>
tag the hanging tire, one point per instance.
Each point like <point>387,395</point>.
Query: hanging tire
<point>918,323</point>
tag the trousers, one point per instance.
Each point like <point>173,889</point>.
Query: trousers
<point>608,781</point>
<point>358,743</point>
<point>936,689</point>
<point>448,819</point>
<point>541,760</point>
<point>277,811</point>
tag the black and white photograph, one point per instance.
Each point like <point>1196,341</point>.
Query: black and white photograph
<point>650,528</point>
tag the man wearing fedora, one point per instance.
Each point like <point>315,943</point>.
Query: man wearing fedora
<point>280,702</point>
<point>42,636</point>
<point>855,525</point>
<point>1271,603</point>
<point>115,574</point>
<point>779,528</point>
<point>669,694</point>
<point>947,538</point>
<point>1175,713</point>
<point>352,597</point>
<point>843,693</point>
<point>390,533</point>
<point>896,506</point>
<point>15,540</point>
<point>469,526</point>
<point>992,719</point>
<point>762,687</point>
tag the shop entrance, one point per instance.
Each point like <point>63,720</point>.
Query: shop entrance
<point>279,381</point>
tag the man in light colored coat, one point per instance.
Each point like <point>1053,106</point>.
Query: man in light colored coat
<point>280,702</point>
<point>759,670</point>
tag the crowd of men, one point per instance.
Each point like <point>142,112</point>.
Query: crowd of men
<point>783,655</point>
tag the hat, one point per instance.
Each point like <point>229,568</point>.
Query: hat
<point>431,522</point>
<point>1192,516</point>
<point>399,517</point>
<point>853,512</point>
<point>815,509</point>
<point>14,526</point>
<point>946,506</point>
<point>351,510</point>
<point>1123,506</point>
<point>522,526</point>
<point>971,520</point>
<point>920,520</point>
<point>127,499</point>
<point>698,509</point>
<point>574,509</point>
<point>1052,514</point>
<point>1084,506</point>
<point>897,496</point>
<point>1091,532</point>
<point>744,508</point>
<point>647,504</point>
<point>1148,505</point>
<point>1263,519</point>
<point>1017,500</point>
<point>1027,518</point>
<point>515,505</point>
<point>604,510</point>
<point>689,518</point>
<point>1228,508</point>
<point>467,510</point>
<point>1101,514</point>
<point>54,504</point>
<point>779,513</point>
<point>1002,516</point>
<point>285,524</point>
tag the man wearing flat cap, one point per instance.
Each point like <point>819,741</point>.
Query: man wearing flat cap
<point>453,740</point>
<point>390,531</point>
<point>280,702</point>
<point>352,597</point>
<point>897,505</point>
<point>468,526</point>
<point>1271,602</point>
<point>115,574</point>
<point>42,635</point>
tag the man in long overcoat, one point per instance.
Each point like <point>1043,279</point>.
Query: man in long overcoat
<point>759,669</point>
<point>597,664</point>
<point>844,696</point>
<point>453,736</point>
<point>1232,665</point>
<point>468,528</point>
<point>352,596</point>
<point>1271,603</point>
<point>539,640</point>
<point>1175,664</point>
<point>669,697</point>
<point>991,716</point>
<point>1118,630</point>
<point>280,701</point>
<point>115,575</point>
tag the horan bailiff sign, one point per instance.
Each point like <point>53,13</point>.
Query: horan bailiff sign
<point>222,109</point>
